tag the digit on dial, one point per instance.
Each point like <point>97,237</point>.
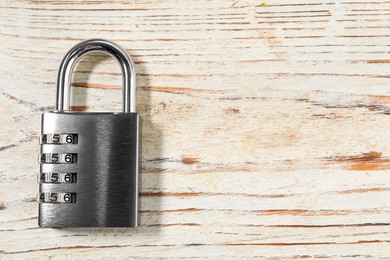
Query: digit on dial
<point>59,139</point>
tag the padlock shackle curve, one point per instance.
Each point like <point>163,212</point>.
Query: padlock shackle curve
<point>96,45</point>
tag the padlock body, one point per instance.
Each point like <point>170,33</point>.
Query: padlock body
<point>104,167</point>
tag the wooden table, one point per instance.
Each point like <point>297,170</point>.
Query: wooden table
<point>265,125</point>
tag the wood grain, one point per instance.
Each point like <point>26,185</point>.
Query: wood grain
<point>265,125</point>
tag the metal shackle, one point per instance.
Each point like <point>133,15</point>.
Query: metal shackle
<point>96,45</point>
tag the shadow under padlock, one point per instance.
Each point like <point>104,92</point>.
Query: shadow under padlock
<point>90,160</point>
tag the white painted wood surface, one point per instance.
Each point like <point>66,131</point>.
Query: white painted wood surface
<point>265,125</point>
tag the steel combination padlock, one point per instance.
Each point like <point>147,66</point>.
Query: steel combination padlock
<point>89,162</point>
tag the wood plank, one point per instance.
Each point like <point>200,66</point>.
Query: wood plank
<point>265,125</point>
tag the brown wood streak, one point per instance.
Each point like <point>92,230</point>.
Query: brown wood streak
<point>85,9</point>
<point>365,190</point>
<point>197,194</point>
<point>294,12</point>
<point>172,210</point>
<point>179,90</point>
<point>308,243</point>
<point>303,212</point>
<point>18,100</point>
<point>79,108</point>
<point>162,194</point>
<point>147,170</point>
<point>29,104</point>
<point>24,140</point>
<point>331,225</point>
<point>380,97</point>
<point>189,160</point>
<point>175,90</point>
<point>268,5</point>
<point>22,219</point>
<point>173,225</point>
<point>369,61</point>
<point>5,147</point>
<point>366,161</point>
<point>97,86</point>
<point>378,61</point>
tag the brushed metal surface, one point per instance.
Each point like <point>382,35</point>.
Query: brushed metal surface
<point>107,170</point>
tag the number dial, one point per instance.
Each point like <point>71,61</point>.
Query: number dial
<point>57,158</point>
<point>52,177</point>
<point>53,197</point>
<point>59,139</point>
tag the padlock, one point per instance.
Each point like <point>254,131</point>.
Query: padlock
<point>90,161</point>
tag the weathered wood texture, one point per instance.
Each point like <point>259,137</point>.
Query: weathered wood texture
<point>265,125</point>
